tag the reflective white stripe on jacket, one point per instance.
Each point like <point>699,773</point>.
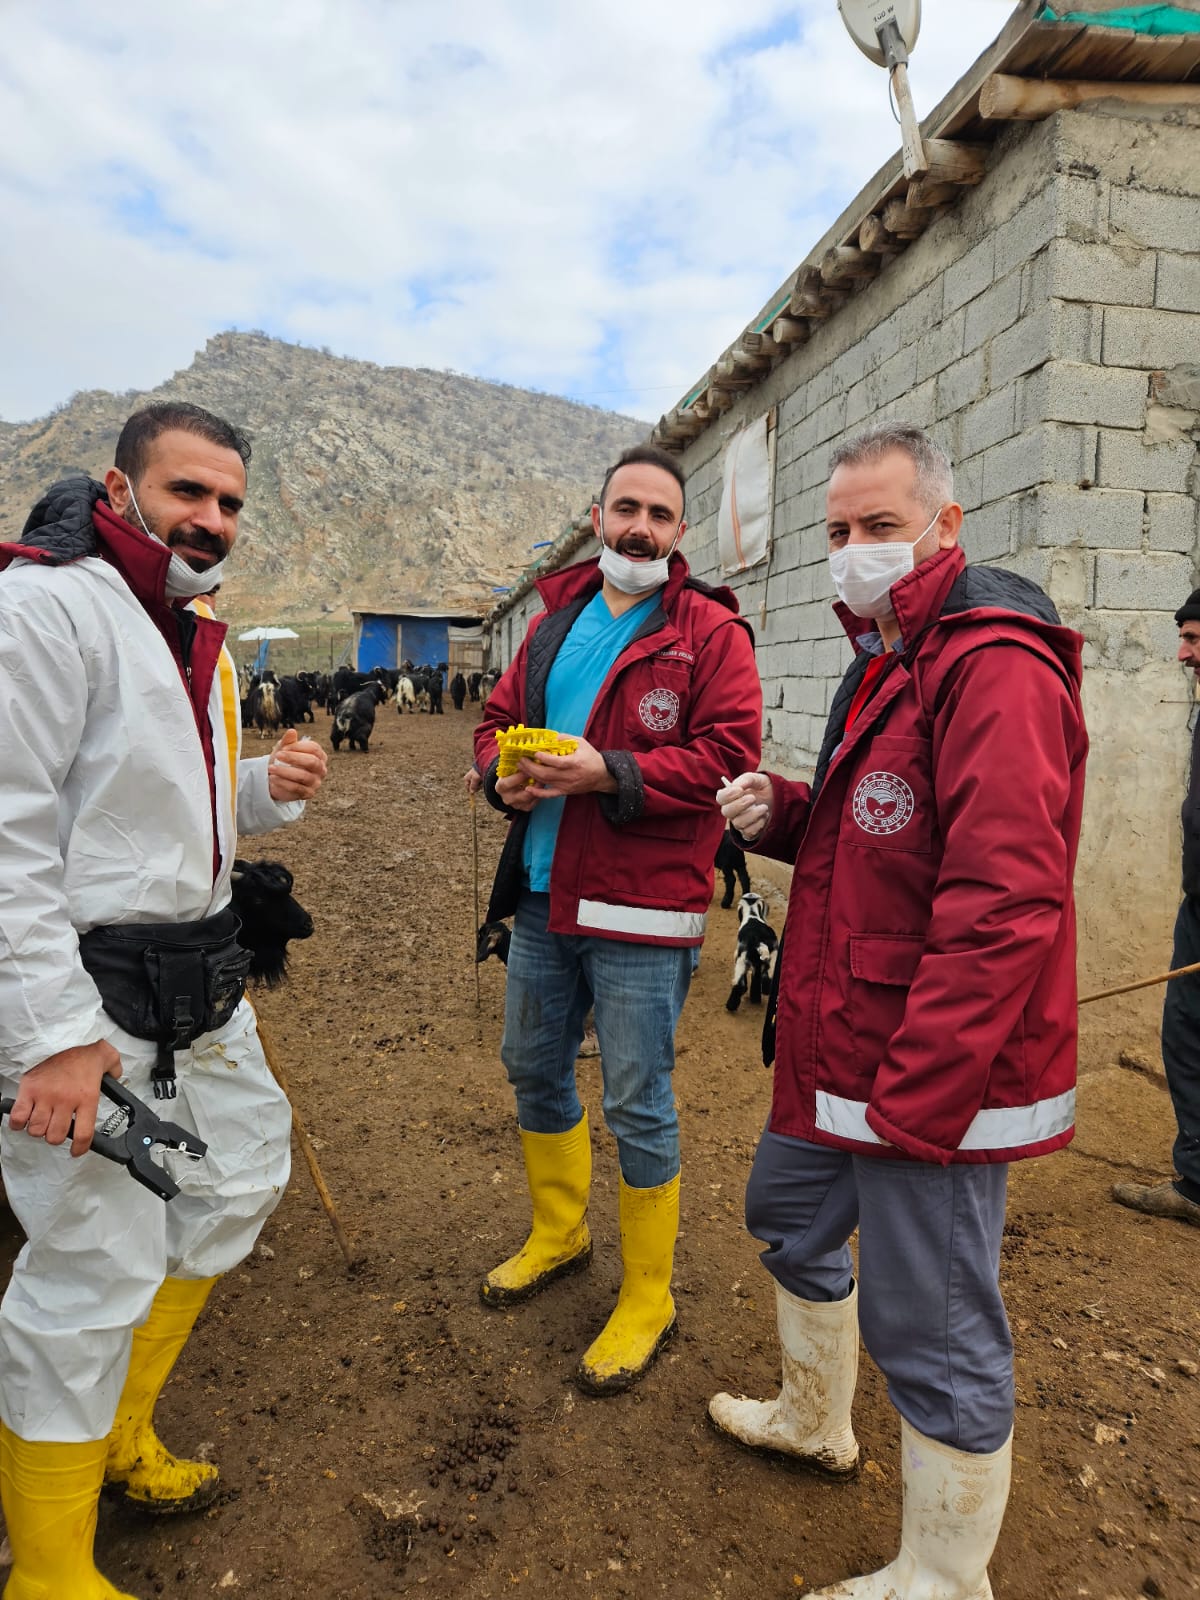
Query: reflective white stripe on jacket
<point>105,809</point>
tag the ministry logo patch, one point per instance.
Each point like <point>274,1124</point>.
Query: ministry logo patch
<point>659,710</point>
<point>882,803</point>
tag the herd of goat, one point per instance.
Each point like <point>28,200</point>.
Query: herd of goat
<point>351,698</point>
<point>262,893</point>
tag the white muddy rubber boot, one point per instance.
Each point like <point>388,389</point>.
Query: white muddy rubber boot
<point>953,1507</point>
<point>809,1421</point>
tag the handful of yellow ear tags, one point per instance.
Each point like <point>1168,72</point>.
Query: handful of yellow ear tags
<point>521,741</point>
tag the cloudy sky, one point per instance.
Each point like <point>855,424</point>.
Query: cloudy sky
<point>586,198</point>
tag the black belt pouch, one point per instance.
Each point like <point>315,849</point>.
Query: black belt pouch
<point>168,981</point>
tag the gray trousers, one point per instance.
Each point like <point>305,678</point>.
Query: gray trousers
<point>1181,1047</point>
<point>929,1304</point>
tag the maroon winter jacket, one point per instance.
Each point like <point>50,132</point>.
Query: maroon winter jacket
<point>681,707</point>
<point>926,1004</point>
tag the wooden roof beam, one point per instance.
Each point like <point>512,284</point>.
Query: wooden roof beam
<point>952,166</point>
<point>925,194</point>
<point>816,302</point>
<point>876,238</point>
<point>847,261</point>
<point>952,161</point>
<point>680,426</point>
<point>789,330</point>
<point>906,221</point>
<point>752,352</point>
<point>1004,98</point>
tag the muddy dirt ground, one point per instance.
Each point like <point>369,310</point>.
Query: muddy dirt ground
<point>382,1433</point>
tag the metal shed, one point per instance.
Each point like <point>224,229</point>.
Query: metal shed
<point>386,638</point>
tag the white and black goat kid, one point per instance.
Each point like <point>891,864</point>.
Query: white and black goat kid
<point>262,897</point>
<point>757,947</point>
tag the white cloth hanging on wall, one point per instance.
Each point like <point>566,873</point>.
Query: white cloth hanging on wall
<point>744,521</point>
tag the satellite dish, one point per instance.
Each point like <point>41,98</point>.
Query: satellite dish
<point>885,31</point>
<point>868,20</point>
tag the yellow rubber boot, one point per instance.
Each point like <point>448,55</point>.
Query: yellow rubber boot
<point>558,1168</point>
<point>50,1493</point>
<point>644,1318</point>
<point>152,1478</point>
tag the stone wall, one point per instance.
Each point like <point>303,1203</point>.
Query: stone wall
<point>1044,331</point>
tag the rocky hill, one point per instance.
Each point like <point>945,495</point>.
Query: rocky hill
<point>376,486</point>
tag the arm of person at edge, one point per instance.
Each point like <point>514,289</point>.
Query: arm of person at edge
<point>1003,885</point>
<point>768,814</point>
<point>51,1019</point>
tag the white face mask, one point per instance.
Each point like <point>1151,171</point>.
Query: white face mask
<point>634,577</point>
<point>183,582</point>
<point>863,574</point>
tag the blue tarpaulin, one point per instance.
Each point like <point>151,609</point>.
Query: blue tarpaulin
<point>1141,19</point>
<point>377,643</point>
<point>425,640</point>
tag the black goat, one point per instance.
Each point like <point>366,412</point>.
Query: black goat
<point>493,939</point>
<point>756,951</point>
<point>354,718</point>
<point>731,860</point>
<point>262,899</point>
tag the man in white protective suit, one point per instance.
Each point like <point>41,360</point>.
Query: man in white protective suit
<point>121,798</point>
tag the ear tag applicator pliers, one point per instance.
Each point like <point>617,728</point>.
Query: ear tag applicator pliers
<point>131,1133</point>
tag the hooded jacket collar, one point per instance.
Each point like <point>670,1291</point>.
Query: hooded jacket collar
<point>583,579</point>
<point>141,560</point>
<point>73,519</point>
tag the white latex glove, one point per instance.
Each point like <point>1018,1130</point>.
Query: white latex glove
<point>747,803</point>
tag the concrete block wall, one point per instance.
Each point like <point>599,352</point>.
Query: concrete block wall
<point>1045,333</point>
<point>1036,332</point>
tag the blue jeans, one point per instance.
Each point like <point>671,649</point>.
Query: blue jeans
<point>637,992</point>
<point>929,1303</point>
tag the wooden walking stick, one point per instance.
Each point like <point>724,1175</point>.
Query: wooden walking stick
<point>1142,983</point>
<point>306,1147</point>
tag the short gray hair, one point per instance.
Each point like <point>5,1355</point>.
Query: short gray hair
<point>934,474</point>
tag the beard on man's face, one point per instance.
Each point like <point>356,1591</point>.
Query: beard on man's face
<point>198,548</point>
<point>637,544</point>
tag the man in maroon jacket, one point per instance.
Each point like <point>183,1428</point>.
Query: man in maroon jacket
<point>608,867</point>
<point>924,1033</point>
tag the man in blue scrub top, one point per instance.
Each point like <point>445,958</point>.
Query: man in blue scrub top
<point>608,869</point>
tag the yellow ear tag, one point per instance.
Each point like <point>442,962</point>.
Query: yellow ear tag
<point>519,741</point>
